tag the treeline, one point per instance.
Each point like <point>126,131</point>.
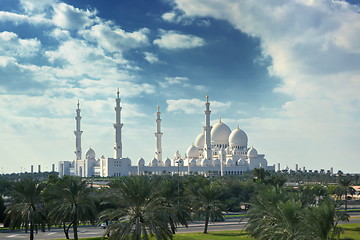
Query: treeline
<point>156,205</point>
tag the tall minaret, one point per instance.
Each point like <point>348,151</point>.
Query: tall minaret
<point>158,134</point>
<point>207,128</point>
<point>118,125</point>
<point>78,133</point>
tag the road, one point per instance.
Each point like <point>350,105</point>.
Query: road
<point>84,232</point>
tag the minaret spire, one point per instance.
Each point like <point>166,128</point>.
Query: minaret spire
<point>207,129</point>
<point>158,135</point>
<point>78,133</point>
<point>117,126</point>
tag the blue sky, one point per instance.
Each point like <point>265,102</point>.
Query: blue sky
<point>287,72</point>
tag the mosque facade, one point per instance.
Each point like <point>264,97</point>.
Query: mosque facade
<point>217,150</point>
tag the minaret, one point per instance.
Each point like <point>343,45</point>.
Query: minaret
<point>78,133</point>
<point>118,125</point>
<point>207,128</point>
<point>158,134</point>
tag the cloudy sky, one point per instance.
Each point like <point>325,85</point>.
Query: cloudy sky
<point>287,72</point>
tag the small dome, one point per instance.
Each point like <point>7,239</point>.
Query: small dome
<point>200,141</point>
<point>154,162</point>
<point>241,162</point>
<point>192,162</point>
<point>141,162</point>
<point>216,162</point>
<point>220,134</point>
<point>238,138</point>
<point>229,162</point>
<point>193,152</point>
<point>90,153</point>
<point>167,162</point>
<point>252,152</point>
<point>205,162</point>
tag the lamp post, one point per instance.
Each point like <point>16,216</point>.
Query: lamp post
<point>178,179</point>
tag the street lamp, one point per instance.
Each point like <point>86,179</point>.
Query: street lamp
<point>178,179</point>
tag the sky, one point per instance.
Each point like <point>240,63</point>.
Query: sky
<point>287,72</point>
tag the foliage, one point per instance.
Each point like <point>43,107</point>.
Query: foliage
<point>276,213</point>
<point>27,207</point>
<point>139,212</point>
<point>69,202</point>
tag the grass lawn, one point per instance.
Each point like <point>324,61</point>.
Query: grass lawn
<point>352,231</point>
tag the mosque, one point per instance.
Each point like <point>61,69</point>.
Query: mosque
<point>216,151</point>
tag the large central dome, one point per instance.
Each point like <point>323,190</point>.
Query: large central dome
<point>220,134</point>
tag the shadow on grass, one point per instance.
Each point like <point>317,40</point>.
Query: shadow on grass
<point>228,234</point>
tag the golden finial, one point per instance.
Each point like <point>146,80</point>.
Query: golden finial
<point>158,108</point>
<point>220,119</point>
<point>207,97</point>
<point>78,104</point>
<point>118,92</point>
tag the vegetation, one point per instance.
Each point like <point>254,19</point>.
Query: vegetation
<point>153,207</point>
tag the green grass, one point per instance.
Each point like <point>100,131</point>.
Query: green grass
<point>351,232</point>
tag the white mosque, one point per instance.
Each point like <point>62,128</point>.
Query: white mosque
<point>216,151</point>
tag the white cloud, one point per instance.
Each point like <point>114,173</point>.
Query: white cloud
<point>12,45</point>
<point>174,40</point>
<point>314,50</point>
<point>68,17</point>
<point>179,81</point>
<point>21,18</point>
<point>114,39</point>
<point>193,106</point>
<point>151,58</point>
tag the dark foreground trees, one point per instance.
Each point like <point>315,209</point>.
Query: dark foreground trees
<point>138,210</point>
<point>27,208</point>
<point>70,201</point>
<point>278,214</point>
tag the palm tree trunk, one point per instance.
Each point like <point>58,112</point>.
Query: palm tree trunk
<point>75,230</point>
<point>66,230</point>
<point>346,199</point>
<point>206,221</point>
<point>31,231</point>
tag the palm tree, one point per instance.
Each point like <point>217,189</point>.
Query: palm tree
<point>274,214</point>
<point>321,221</point>
<point>208,204</point>
<point>70,202</point>
<point>176,204</point>
<point>139,211</point>
<point>27,208</point>
<point>344,188</point>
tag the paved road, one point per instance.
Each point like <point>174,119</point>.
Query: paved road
<point>229,224</point>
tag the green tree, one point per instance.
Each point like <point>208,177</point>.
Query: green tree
<point>70,201</point>
<point>139,210</point>
<point>344,188</point>
<point>208,205</point>
<point>27,207</point>
<point>176,203</point>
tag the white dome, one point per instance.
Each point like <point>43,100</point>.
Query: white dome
<point>205,162</point>
<point>229,162</point>
<point>154,162</point>
<point>192,152</point>
<point>167,162</point>
<point>90,153</point>
<point>217,162</point>
<point>200,140</point>
<point>141,162</point>
<point>238,138</point>
<point>252,152</point>
<point>241,162</point>
<point>192,162</point>
<point>220,134</point>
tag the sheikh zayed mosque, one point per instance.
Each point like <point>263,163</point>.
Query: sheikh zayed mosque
<point>217,150</point>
